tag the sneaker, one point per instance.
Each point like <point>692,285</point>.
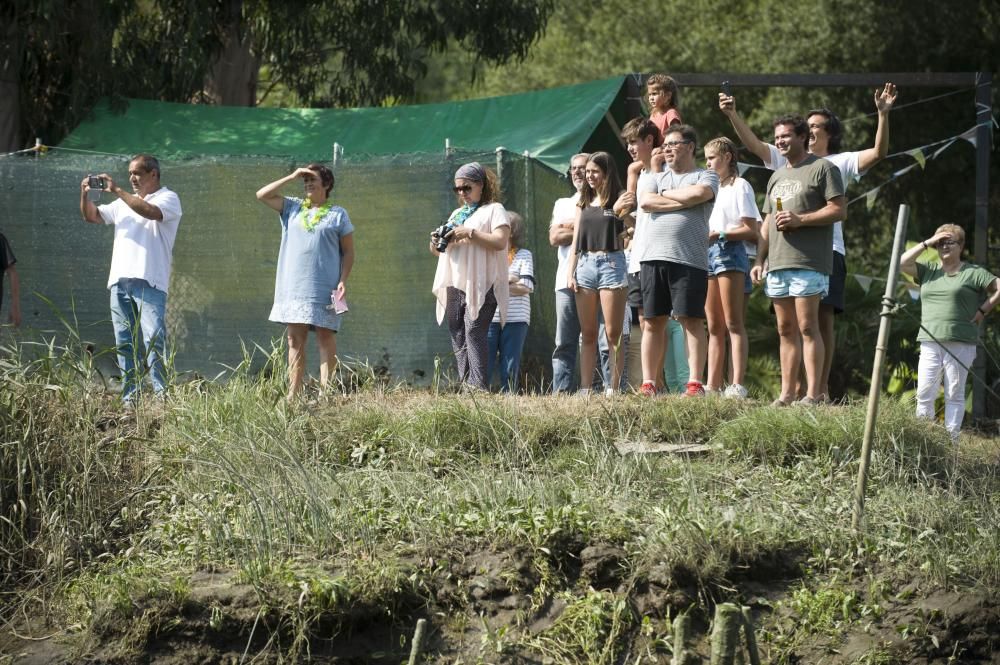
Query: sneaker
<point>610,392</point>
<point>736,391</point>
<point>711,390</point>
<point>694,389</point>
<point>780,403</point>
<point>583,392</point>
<point>647,389</point>
<point>808,401</point>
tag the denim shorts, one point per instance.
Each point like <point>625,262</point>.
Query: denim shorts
<point>796,283</point>
<point>729,256</point>
<point>601,271</point>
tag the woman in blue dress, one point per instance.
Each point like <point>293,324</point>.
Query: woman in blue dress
<point>315,259</point>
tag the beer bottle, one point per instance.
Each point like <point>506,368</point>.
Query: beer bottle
<point>777,204</point>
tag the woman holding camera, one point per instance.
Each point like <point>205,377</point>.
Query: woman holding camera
<point>955,297</point>
<point>471,279</point>
<point>314,261</point>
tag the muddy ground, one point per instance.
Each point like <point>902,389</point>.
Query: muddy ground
<point>483,606</point>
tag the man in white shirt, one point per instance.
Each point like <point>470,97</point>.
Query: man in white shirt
<point>145,224</point>
<point>824,141</point>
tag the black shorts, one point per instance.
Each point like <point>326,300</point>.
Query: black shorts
<point>673,288</point>
<point>634,291</point>
<point>838,284</point>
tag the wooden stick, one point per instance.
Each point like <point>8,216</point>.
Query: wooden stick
<point>418,638</point>
<point>750,636</point>
<point>726,634</point>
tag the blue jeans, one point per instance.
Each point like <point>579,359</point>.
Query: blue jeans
<point>675,363</point>
<point>568,343</point>
<point>509,341</point>
<point>136,306</point>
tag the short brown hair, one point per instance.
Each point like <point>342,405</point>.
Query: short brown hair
<point>637,129</point>
<point>325,175</point>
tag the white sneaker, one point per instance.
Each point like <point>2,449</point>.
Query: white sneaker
<point>583,392</point>
<point>736,391</point>
<point>610,392</point>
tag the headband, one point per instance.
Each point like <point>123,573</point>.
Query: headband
<point>473,171</point>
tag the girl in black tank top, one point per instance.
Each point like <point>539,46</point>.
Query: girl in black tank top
<point>598,244</point>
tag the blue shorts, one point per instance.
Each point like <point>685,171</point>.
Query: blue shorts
<point>729,256</point>
<point>601,271</point>
<point>796,283</point>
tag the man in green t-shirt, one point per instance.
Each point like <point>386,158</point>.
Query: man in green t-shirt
<point>803,201</point>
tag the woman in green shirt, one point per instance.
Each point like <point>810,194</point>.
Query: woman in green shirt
<point>955,297</point>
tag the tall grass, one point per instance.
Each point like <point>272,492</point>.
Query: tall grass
<point>367,495</point>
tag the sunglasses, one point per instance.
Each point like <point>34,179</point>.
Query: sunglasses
<point>947,243</point>
<point>464,189</point>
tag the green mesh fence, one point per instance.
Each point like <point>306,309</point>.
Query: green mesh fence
<point>227,246</point>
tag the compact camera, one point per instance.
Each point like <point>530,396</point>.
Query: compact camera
<point>97,185</point>
<point>442,235</point>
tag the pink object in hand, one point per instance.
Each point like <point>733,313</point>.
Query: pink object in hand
<point>339,304</point>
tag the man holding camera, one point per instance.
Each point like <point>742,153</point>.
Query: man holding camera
<point>145,224</point>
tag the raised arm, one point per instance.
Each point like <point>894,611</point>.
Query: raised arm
<point>908,261</point>
<point>138,204</point>
<point>87,208</point>
<point>884,100</point>
<point>727,104</point>
<point>268,194</point>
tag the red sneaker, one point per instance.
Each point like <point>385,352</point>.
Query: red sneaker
<point>694,389</point>
<point>647,389</point>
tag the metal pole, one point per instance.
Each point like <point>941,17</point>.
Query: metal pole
<point>526,207</point>
<point>501,176</point>
<point>876,384</point>
<point>338,150</point>
<point>984,135</point>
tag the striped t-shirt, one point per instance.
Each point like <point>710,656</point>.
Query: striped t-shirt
<point>680,236</point>
<point>519,307</point>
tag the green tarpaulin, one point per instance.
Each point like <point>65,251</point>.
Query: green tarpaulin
<point>550,124</point>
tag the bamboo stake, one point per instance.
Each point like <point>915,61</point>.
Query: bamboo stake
<point>874,393</point>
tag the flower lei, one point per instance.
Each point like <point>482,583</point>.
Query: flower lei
<point>312,218</point>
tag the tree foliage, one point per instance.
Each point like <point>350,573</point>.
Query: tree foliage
<point>343,53</point>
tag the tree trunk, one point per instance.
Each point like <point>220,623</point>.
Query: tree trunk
<point>10,92</point>
<point>232,78</point>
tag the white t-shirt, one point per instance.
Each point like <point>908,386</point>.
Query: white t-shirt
<point>641,224</point>
<point>732,203</point>
<point>847,163</point>
<point>519,307</point>
<point>563,210</point>
<point>143,247</point>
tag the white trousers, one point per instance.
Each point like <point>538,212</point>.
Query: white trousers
<point>935,361</point>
